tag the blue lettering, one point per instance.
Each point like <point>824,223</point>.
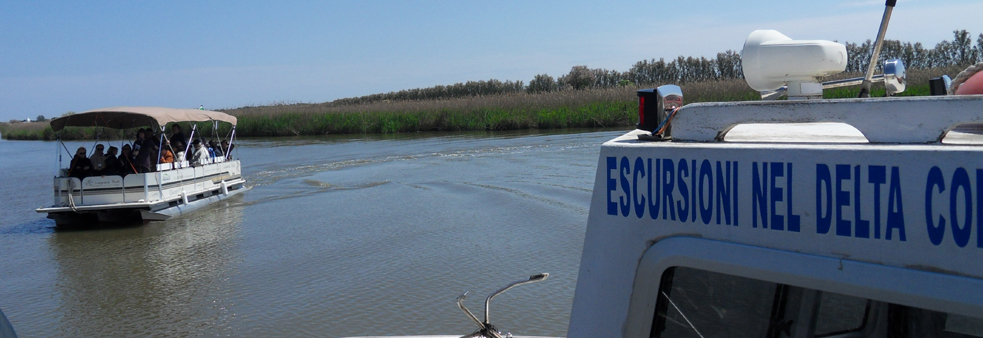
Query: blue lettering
<point>935,232</point>
<point>777,170</point>
<point>668,184</point>
<point>979,208</point>
<point>793,220</point>
<point>895,209</point>
<point>692,185</point>
<point>861,226</point>
<point>723,192</point>
<point>612,185</point>
<point>639,200</point>
<point>654,198</point>
<point>683,205</point>
<point>842,200</point>
<point>625,200</point>
<point>759,195</point>
<point>706,209</point>
<point>960,179</point>
<point>877,175</point>
<point>824,182</point>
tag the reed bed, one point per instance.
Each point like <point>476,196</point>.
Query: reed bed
<point>587,108</point>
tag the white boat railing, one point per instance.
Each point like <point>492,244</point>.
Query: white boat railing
<point>169,183</point>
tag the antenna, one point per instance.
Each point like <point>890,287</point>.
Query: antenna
<point>865,86</point>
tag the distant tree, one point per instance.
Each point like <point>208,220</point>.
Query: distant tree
<point>681,70</point>
<point>40,118</point>
<point>963,52</point>
<point>579,77</point>
<point>541,83</point>
<point>979,48</point>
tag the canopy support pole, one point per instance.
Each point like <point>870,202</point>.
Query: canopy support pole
<point>190,139</point>
<point>232,138</point>
<point>160,149</point>
<point>58,154</point>
<point>93,151</point>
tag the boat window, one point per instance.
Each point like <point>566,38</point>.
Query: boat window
<point>709,304</point>
<point>697,303</point>
<point>840,314</point>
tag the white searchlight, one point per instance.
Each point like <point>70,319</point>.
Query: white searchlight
<point>772,60</point>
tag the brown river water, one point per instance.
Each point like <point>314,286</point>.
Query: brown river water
<point>338,236</point>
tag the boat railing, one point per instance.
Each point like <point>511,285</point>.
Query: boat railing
<point>168,183</point>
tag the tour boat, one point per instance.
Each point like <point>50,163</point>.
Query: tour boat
<point>170,189</point>
<point>804,217</point>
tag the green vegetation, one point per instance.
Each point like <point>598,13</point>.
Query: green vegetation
<point>582,98</point>
<point>592,107</point>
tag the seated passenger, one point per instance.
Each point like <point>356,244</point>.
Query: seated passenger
<point>144,158</point>
<point>141,135</point>
<point>201,155</point>
<point>227,149</point>
<point>165,154</point>
<point>80,166</point>
<point>126,166</point>
<point>179,151</point>
<point>112,163</point>
<point>216,150</point>
<point>98,160</point>
<point>177,135</point>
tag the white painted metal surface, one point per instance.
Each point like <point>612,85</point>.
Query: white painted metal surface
<point>905,207</point>
<point>880,120</point>
<point>770,60</point>
<point>157,195</point>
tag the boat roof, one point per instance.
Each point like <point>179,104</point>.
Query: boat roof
<point>132,117</point>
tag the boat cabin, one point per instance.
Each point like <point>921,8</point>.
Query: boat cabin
<point>798,218</point>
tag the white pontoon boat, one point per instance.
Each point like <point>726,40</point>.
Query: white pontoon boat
<point>798,218</point>
<point>172,189</point>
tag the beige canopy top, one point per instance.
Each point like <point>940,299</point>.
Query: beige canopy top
<point>132,117</point>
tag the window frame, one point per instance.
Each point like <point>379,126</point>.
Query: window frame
<point>909,287</point>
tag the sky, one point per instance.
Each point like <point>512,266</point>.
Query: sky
<point>60,56</point>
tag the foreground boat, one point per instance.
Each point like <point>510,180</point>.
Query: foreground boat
<point>170,189</point>
<point>798,218</point>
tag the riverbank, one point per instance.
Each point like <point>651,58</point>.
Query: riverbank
<point>589,108</point>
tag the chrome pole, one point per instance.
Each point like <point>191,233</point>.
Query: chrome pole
<point>875,57</point>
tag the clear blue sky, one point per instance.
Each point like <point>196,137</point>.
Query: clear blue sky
<point>58,56</point>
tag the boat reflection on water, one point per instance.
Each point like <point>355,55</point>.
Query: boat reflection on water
<point>140,281</point>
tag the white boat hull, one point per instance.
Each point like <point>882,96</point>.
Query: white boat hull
<point>155,196</point>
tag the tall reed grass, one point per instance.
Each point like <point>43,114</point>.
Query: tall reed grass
<point>605,107</point>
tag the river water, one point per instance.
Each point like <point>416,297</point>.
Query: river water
<point>338,236</point>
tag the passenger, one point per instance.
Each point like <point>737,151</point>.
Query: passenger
<point>166,156</point>
<point>179,151</point>
<point>227,149</point>
<point>145,158</point>
<point>154,159</point>
<point>141,135</point>
<point>177,135</point>
<point>216,150</point>
<point>201,156</point>
<point>80,166</point>
<point>112,163</point>
<point>98,160</point>
<point>126,166</point>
